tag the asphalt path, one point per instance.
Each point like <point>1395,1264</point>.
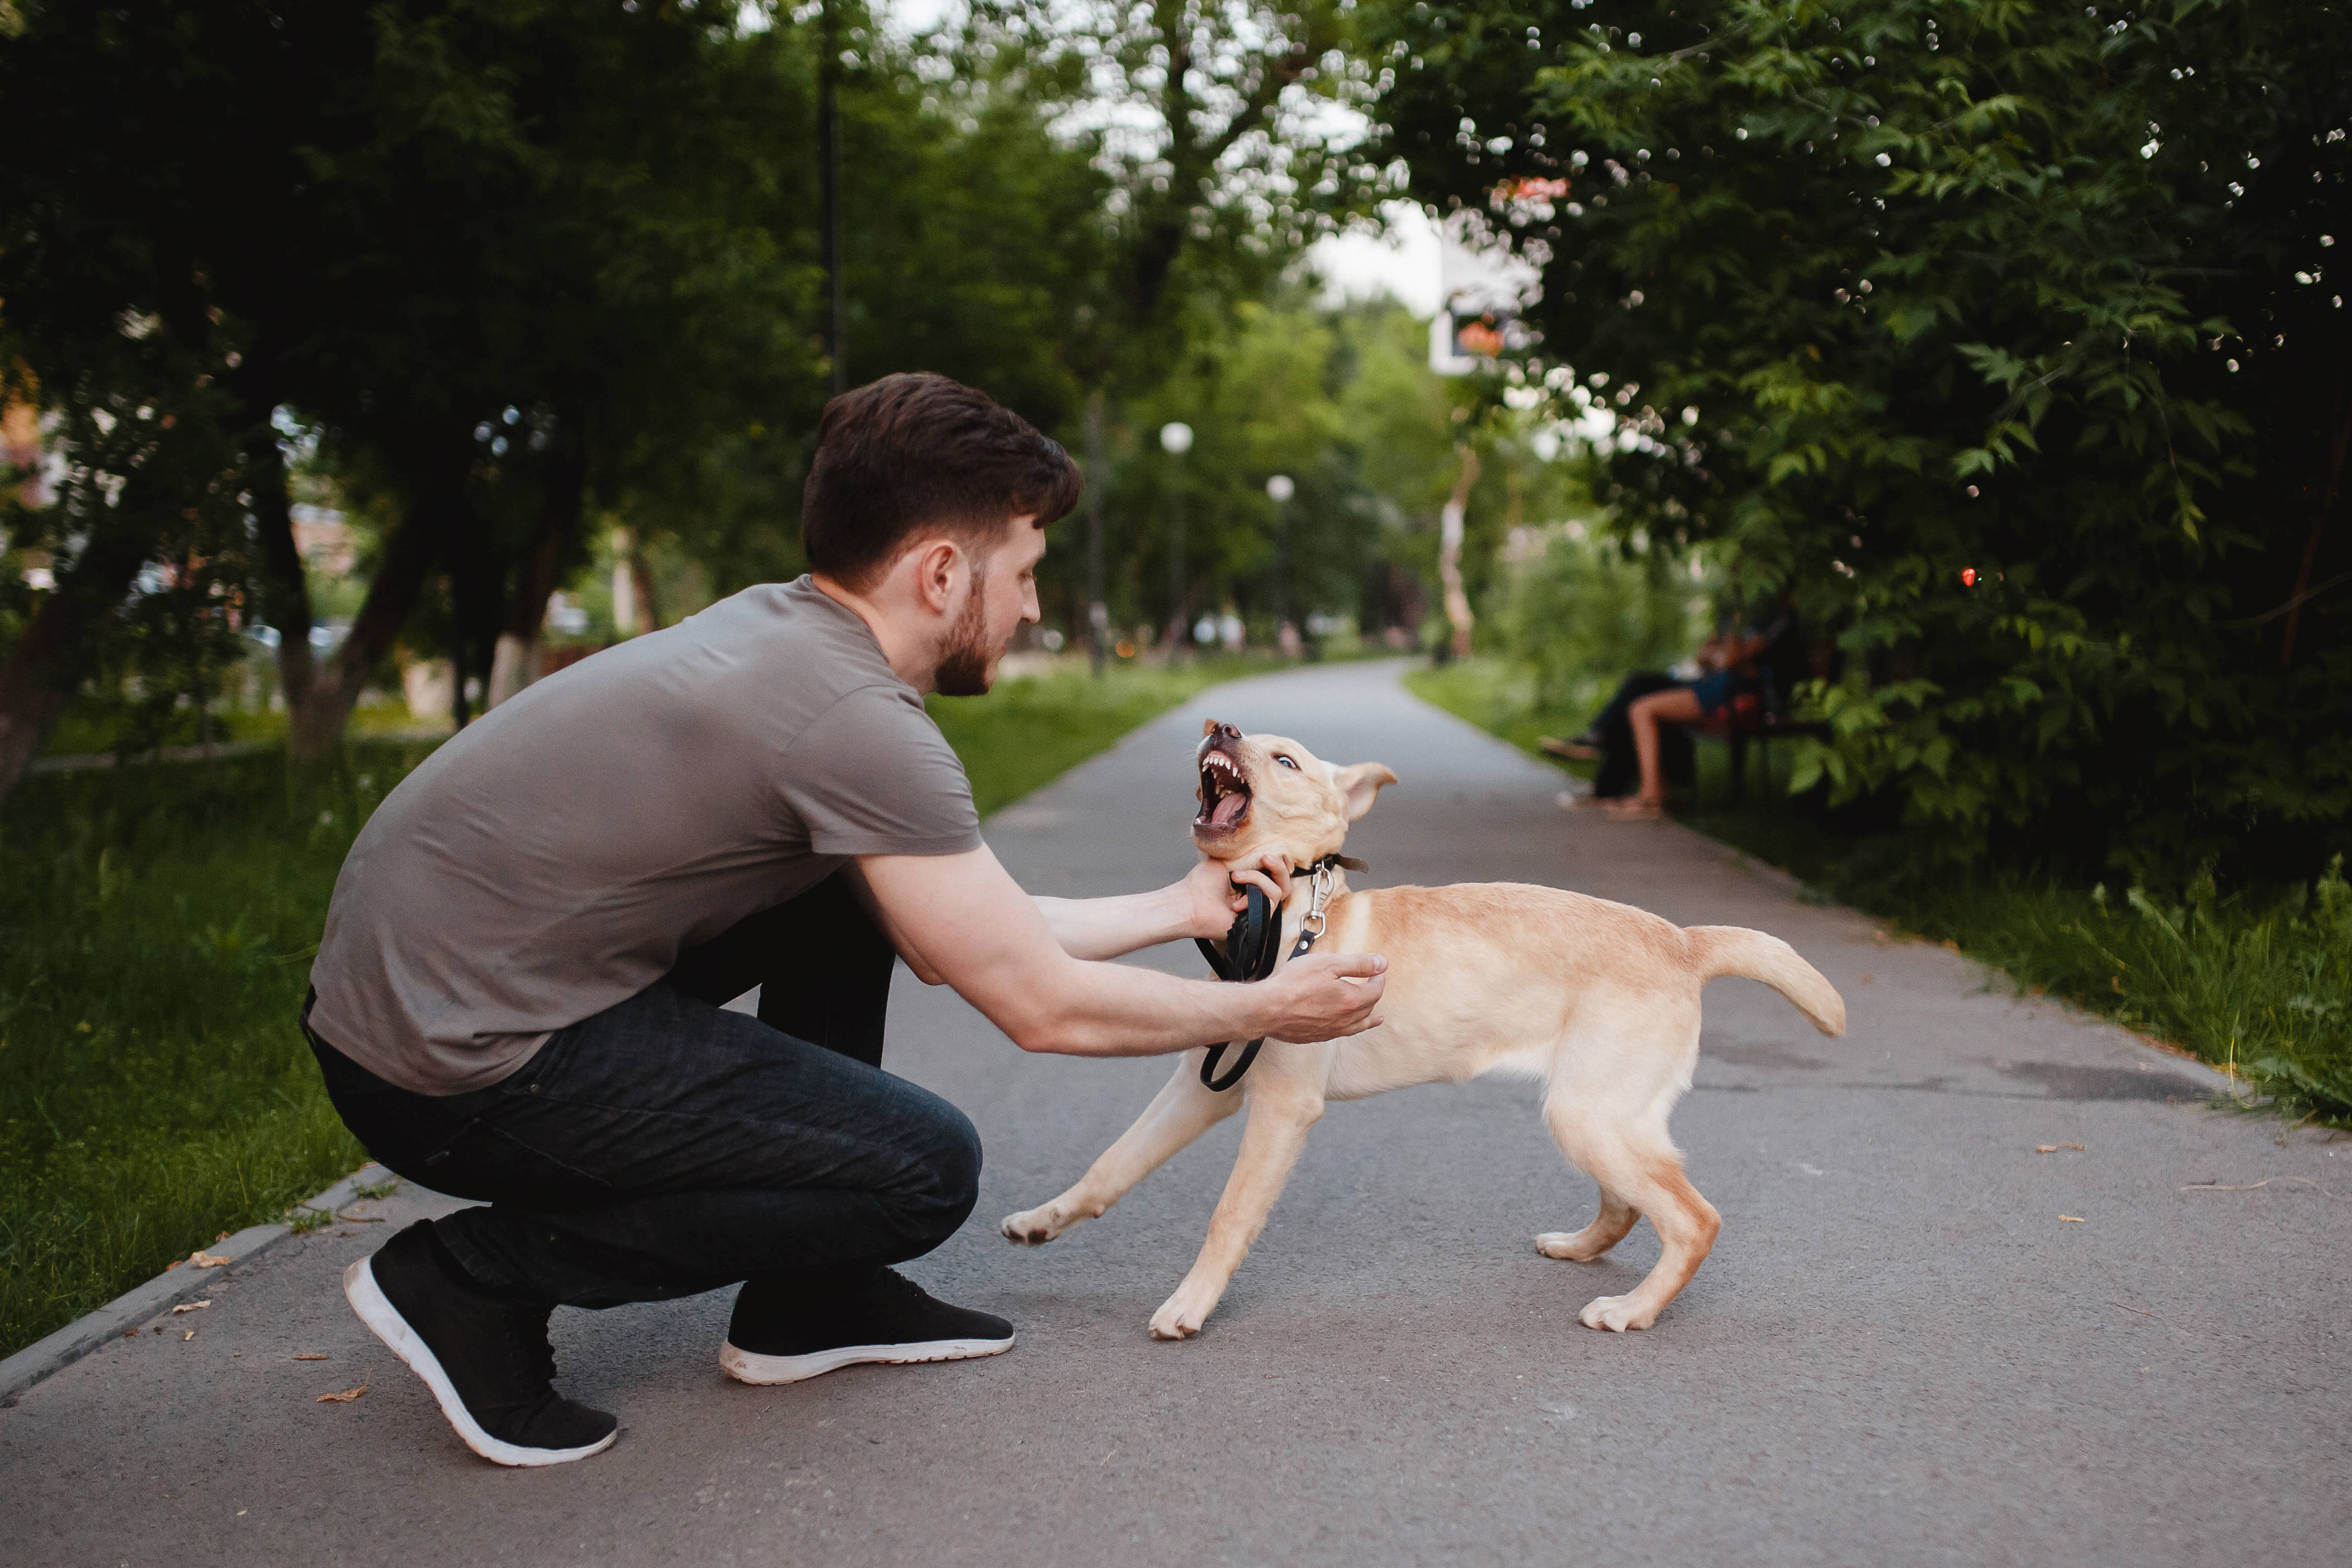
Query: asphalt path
<point>1899,1352</point>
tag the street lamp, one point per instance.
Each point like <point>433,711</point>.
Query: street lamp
<point>1176,439</point>
<point>1279,489</point>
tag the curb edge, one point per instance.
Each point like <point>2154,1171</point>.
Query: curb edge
<point>141,1304</point>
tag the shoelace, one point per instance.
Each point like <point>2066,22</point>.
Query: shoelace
<point>889,1284</point>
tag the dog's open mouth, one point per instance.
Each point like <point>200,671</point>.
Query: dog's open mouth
<point>1225,794</point>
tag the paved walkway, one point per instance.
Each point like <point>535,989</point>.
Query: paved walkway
<point>1898,1353</point>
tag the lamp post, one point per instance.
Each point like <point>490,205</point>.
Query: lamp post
<point>1176,439</point>
<point>1279,489</point>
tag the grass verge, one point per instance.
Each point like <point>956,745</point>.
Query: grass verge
<point>2259,984</point>
<point>157,927</point>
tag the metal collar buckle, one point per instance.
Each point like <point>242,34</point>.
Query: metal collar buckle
<point>1318,900</point>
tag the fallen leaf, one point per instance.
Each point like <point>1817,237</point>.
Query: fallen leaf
<point>345,1397</point>
<point>187,1336</point>
<point>192,1306</point>
<point>203,1260</point>
<point>222,1237</point>
<point>2074,1219</point>
<point>2053,1148</point>
<point>310,1358</point>
<point>173,1264</point>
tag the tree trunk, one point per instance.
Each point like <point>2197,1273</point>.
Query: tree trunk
<point>640,580</point>
<point>51,656</point>
<point>409,553</point>
<point>285,585</point>
<point>514,663</point>
<point>1449,554</point>
<point>2336,453</point>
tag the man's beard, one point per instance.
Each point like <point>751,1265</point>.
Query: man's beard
<point>963,667</point>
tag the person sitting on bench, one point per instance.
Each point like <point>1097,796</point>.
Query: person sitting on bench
<point>1741,657</point>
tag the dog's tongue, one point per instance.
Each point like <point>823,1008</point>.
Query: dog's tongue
<point>1228,809</point>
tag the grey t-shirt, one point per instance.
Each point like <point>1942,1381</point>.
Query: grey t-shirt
<point>554,857</point>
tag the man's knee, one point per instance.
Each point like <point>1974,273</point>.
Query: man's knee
<point>943,1173</point>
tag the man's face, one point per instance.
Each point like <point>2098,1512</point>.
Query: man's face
<point>1003,594</point>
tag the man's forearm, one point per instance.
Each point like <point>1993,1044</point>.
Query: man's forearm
<point>1123,1010</point>
<point>958,918</point>
<point>1109,927</point>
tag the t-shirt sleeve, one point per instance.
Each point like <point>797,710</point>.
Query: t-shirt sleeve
<point>872,775</point>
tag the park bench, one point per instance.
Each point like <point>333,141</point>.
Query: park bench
<point>1749,720</point>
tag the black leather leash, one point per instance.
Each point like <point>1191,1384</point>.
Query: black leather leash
<point>1251,948</point>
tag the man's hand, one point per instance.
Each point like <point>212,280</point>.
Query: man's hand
<point>1324,996</point>
<point>1214,890</point>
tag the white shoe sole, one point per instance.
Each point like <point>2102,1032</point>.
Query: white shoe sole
<point>744,1366</point>
<point>368,1299</point>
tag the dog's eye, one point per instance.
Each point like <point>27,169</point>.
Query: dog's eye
<point>1287,763</point>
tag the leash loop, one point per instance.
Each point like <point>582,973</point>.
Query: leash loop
<point>1250,946</point>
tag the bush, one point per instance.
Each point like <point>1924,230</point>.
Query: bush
<point>1579,613</point>
<point>2008,335</point>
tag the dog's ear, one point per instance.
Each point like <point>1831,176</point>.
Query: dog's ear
<point>1358,785</point>
<point>1208,728</point>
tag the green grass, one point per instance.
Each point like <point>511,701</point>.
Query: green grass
<point>157,927</point>
<point>2259,983</point>
<point>98,725</point>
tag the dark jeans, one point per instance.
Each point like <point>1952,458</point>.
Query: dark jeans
<point>1621,769</point>
<point>664,1148</point>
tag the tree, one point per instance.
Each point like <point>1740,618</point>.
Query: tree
<point>1211,118</point>
<point>2001,332</point>
<point>502,254</point>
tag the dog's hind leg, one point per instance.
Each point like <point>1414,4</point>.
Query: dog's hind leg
<point>1640,1171</point>
<point>1182,1110</point>
<point>1608,1110</point>
<point>1281,1110</point>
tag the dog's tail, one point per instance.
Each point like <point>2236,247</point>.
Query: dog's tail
<point>1735,950</point>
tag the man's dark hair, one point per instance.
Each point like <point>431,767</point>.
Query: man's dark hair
<point>919,451</point>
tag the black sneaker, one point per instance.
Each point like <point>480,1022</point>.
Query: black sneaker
<point>778,1336</point>
<point>486,1360</point>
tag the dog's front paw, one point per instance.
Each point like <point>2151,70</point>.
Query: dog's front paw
<point>1032,1226</point>
<point>1175,1320</point>
<point>1616,1315</point>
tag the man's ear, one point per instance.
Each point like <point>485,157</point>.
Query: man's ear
<point>934,575</point>
<point>1359,784</point>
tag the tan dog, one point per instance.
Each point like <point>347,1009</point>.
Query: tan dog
<point>1597,1000</point>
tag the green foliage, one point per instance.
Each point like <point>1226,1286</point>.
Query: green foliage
<point>2003,333</point>
<point>1581,614</point>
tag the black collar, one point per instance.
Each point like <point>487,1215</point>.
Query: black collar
<point>1345,863</point>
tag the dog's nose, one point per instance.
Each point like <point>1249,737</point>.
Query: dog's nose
<point>1226,732</point>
